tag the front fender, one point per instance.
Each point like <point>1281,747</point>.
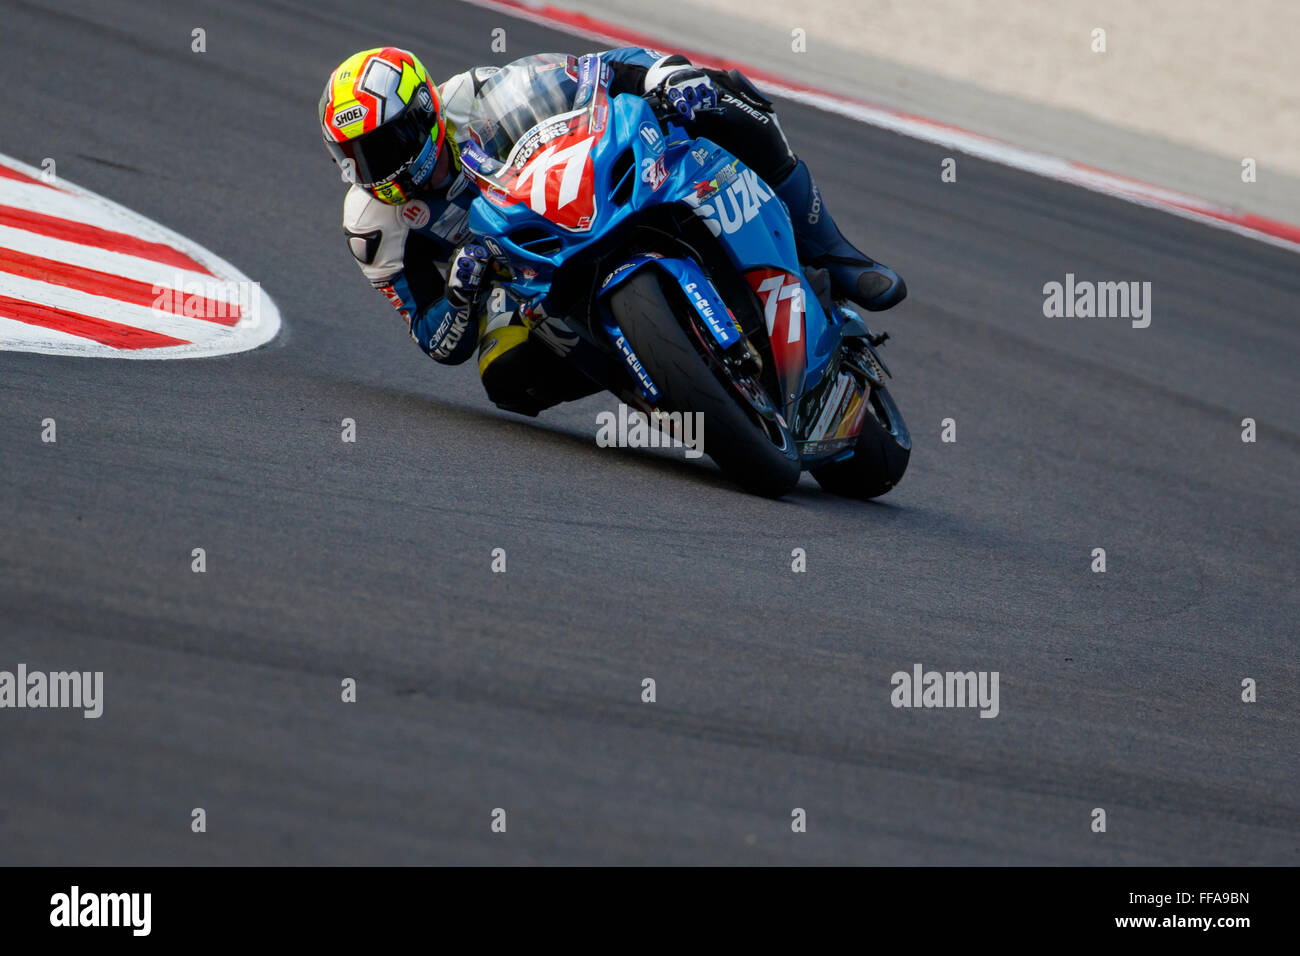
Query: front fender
<point>699,290</point>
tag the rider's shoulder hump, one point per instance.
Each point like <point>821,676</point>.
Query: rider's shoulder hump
<point>383,228</point>
<point>360,209</point>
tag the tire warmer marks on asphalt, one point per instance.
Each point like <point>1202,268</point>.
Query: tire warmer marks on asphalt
<point>80,275</point>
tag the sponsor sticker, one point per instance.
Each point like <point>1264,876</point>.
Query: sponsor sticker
<point>634,365</point>
<point>631,263</point>
<point>424,164</point>
<point>653,172</point>
<point>744,107</point>
<point>416,214</point>
<point>453,224</point>
<point>536,139</point>
<point>653,138</point>
<point>725,333</point>
<point>587,67</point>
<point>619,271</point>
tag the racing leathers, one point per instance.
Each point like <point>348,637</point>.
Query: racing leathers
<point>406,250</point>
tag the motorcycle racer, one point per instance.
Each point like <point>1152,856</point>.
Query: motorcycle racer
<point>396,137</point>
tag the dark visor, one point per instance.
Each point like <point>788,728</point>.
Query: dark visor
<point>384,151</point>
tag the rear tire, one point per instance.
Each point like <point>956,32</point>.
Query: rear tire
<point>879,458</point>
<point>732,438</point>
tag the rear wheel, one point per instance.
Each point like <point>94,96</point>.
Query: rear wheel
<point>743,432</point>
<point>879,458</point>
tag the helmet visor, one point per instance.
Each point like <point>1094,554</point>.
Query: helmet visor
<point>388,149</point>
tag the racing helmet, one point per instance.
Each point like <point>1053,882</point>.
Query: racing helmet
<point>383,122</point>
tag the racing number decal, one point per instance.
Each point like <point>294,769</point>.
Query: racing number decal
<point>782,296</point>
<point>537,179</point>
<point>773,291</point>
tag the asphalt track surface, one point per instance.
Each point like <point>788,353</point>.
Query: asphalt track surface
<point>522,690</point>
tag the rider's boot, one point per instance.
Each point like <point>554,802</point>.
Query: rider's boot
<point>820,243</point>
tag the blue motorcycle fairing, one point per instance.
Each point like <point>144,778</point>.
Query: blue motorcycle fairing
<point>629,114</point>
<point>748,219</point>
<point>753,226</point>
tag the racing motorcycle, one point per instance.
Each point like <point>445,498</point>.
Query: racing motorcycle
<point>666,271</point>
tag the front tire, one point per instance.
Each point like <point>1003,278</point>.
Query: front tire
<point>763,460</point>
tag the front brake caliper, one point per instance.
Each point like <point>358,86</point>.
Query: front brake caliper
<point>743,360</point>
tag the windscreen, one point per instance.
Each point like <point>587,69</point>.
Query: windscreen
<point>518,97</point>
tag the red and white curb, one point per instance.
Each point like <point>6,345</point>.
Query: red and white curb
<point>80,275</point>
<point>1261,228</point>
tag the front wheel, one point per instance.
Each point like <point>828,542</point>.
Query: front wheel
<point>749,442</point>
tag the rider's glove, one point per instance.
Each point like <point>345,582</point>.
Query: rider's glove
<point>465,276</point>
<point>681,86</point>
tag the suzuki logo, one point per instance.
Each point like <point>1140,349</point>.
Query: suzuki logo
<point>738,204</point>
